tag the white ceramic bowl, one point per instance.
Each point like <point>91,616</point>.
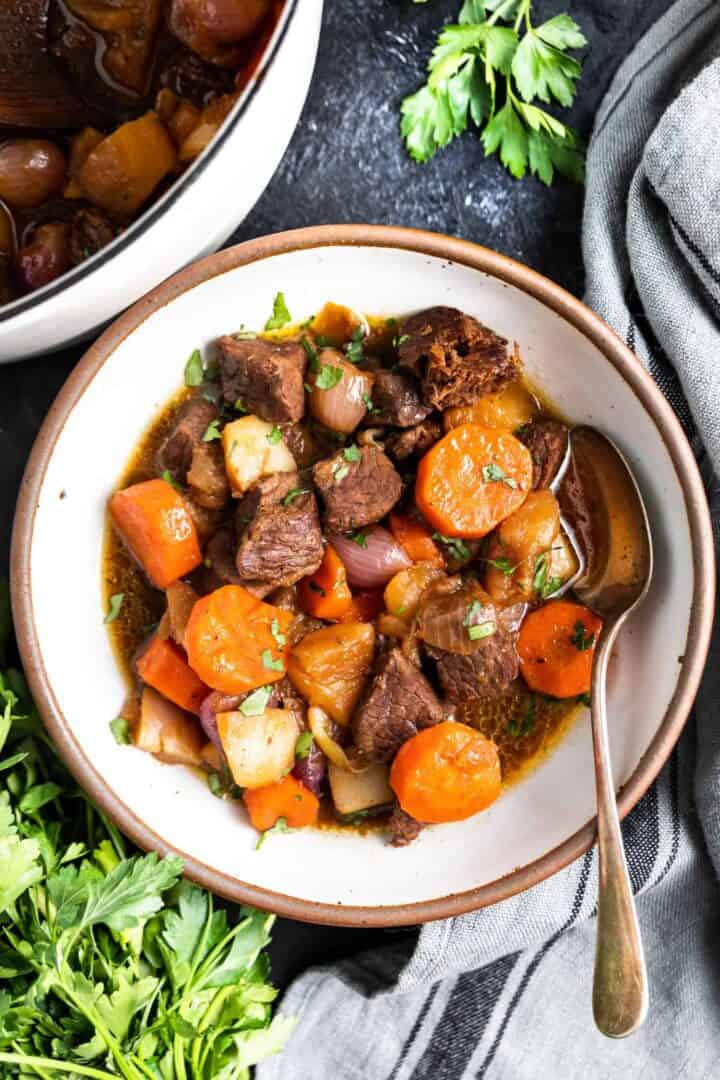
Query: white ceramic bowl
<point>194,216</point>
<point>538,825</point>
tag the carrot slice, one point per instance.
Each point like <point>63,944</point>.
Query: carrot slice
<point>471,479</point>
<point>288,799</point>
<point>164,667</point>
<point>365,606</point>
<point>326,594</point>
<point>235,642</point>
<point>556,648</point>
<point>446,773</point>
<point>416,540</point>
<point>155,523</point>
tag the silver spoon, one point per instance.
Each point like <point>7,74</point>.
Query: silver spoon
<point>614,580</point>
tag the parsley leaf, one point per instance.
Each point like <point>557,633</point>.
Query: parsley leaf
<point>280,826</point>
<point>269,662</point>
<point>493,473</point>
<point>505,565</point>
<point>457,548</point>
<point>256,703</point>
<point>352,453</point>
<point>328,377</point>
<point>367,402</point>
<point>274,435</point>
<point>276,632</point>
<point>120,729</point>
<point>170,479</point>
<point>481,630</point>
<point>212,432</point>
<point>581,639</point>
<point>114,606</point>
<point>311,353</point>
<point>354,348</point>
<point>490,74</point>
<point>359,538</point>
<point>340,472</point>
<point>304,744</point>
<point>280,316</point>
<point>294,494</point>
<point>194,373</point>
<point>542,584</point>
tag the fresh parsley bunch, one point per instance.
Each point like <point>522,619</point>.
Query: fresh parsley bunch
<point>492,73</point>
<point>110,965</point>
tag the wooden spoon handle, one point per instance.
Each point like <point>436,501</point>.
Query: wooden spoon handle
<point>620,989</point>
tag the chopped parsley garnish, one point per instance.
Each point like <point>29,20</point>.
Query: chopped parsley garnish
<point>581,639</point>
<point>115,603</point>
<point>457,548</point>
<point>216,785</point>
<point>280,826</point>
<point>277,633</point>
<point>275,435</point>
<point>518,728</point>
<point>304,744</point>
<point>400,340</point>
<point>340,472</point>
<point>324,342</point>
<point>294,494</point>
<point>194,373</point>
<point>311,352</point>
<point>543,585</point>
<point>328,377</point>
<point>269,662</point>
<point>492,473</point>
<point>240,406</point>
<point>314,587</point>
<point>505,565</point>
<point>367,402</point>
<point>170,479</point>
<point>256,703</point>
<point>212,431</point>
<point>121,730</point>
<point>352,453</point>
<point>481,630</point>
<point>359,538</point>
<point>354,348</point>
<point>280,316</point>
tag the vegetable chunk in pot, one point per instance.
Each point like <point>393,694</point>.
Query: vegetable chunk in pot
<point>329,667</point>
<point>259,749</point>
<point>155,523</point>
<point>167,732</point>
<point>356,792</point>
<point>253,449</point>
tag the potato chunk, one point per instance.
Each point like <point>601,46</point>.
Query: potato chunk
<point>167,732</point>
<point>509,409</point>
<point>529,533</point>
<point>253,450</point>
<point>353,792</point>
<point>125,168</point>
<point>260,749</point>
<point>329,667</point>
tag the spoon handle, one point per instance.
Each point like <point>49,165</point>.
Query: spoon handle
<point>620,990</point>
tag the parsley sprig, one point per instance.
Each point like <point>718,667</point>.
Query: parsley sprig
<point>492,74</point>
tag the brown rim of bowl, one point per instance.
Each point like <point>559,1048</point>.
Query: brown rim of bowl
<point>563,304</point>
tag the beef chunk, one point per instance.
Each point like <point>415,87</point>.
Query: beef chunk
<point>267,376</point>
<point>219,568</point>
<point>397,704</point>
<point>278,544</point>
<point>403,828</point>
<point>547,441</point>
<point>207,478</point>
<point>397,399</point>
<point>176,453</point>
<point>90,232</point>
<point>414,441</point>
<point>181,599</point>
<point>458,359</point>
<point>471,667</point>
<point>357,493</point>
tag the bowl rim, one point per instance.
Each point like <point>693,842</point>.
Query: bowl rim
<point>159,207</point>
<point>561,303</point>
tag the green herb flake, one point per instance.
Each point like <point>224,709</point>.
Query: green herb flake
<point>459,550</point>
<point>275,435</point>
<point>240,406</point>
<point>256,703</point>
<point>359,538</point>
<point>194,372</point>
<point>294,494</point>
<point>367,402</point>
<point>492,473</point>
<point>543,585</point>
<point>354,348</point>
<point>581,639</point>
<point>481,630</point>
<point>328,377</point>
<point>120,729</point>
<point>400,340</point>
<point>216,785</point>
<point>340,472</point>
<point>352,453</point>
<point>114,605</point>
<point>212,431</point>
<point>503,564</point>
<point>269,662</point>
<point>280,826</point>
<point>170,479</point>
<point>304,744</point>
<point>311,353</point>
<point>277,633</point>
<point>280,316</point>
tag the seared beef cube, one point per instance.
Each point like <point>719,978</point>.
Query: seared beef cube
<point>266,376</point>
<point>397,400</point>
<point>397,704</point>
<point>414,441</point>
<point>207,478</point>
<point>458,359</point>
<point>470,640</point>
<point>547,442</point>
<point>219,568</point>
<point>278,544</point>
<point>357,493</point>
<point>90,232</point>
<point>403,828</point>
<point>176,453</point>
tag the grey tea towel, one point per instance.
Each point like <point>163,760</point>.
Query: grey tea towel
<point>505,993</point>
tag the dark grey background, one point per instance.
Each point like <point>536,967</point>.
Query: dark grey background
<point>346,164</point>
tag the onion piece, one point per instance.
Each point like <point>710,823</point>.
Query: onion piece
<point>343,405</point>
<point>372,558</point>
<point>321,727</point>
<point>446,621</point>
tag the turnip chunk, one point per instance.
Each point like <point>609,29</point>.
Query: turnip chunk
<point>353,792</point>
<point>167,732</point>
<point>253,449</point>
<point>259,749</point>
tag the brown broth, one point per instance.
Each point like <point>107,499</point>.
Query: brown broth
<point>525,726</point>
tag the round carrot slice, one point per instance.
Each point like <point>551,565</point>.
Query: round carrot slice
<point>446,773</point>
<point>288,799</point>
<point>235,642</point>
<point>472,479</point>
<point>556,648</point>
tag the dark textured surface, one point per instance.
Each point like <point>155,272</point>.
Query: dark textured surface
<point>346,163</point>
